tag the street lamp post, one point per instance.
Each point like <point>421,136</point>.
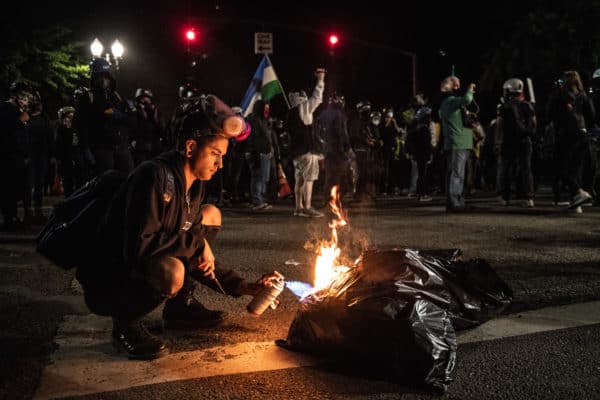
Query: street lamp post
<point>96,48</point>
<point>116,49</point>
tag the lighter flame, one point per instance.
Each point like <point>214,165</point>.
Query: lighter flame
<point>326,266</point>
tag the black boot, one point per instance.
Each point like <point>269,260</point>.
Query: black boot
<point>185,312</point>
<point>133,338</point>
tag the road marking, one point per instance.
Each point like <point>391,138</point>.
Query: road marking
<point>85,362</point>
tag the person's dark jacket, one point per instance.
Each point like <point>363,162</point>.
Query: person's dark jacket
<point>572,114</point>
<point>362,136</point>
<point>13,132</point>
<point>333,122</point>
<point>150,218</point>
<point>41,137</point>
<point>147,131</point>
<point>67,142</point>
<point>303,140</point>
<point>418,138</point>
<point>102,120</point>
<point>262,140</point>
<point>517,123</point>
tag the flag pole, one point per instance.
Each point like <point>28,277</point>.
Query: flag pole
<point>280,85</point>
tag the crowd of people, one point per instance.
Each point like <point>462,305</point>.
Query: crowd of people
<point>424,150</point>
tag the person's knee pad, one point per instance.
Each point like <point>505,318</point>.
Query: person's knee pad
<point>167,276</point>
<point>211,215</point>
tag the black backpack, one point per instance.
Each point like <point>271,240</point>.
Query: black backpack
<point>69,237</point>
<point>520,122</point>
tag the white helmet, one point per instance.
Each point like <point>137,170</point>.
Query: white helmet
<point>596,74</point>
<point>513,86</point>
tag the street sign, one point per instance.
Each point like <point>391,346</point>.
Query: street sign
<point>263,43</point>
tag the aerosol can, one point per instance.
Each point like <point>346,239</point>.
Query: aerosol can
<point>265,298</point>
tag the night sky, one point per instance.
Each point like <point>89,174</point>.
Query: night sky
<point>367,64</point>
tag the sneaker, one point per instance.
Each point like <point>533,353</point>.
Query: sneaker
<point>184,311</point>
<point>262,207</point>
<point>588,203</point>
<point>311,212</point>
<point>299,212</point>
<point>528,203</point>
<point>576,210</point>
<point>560,203</point>
<point>411,195</point>
<point>425,198</point>
<point>581,197</point>
<point>501,201</point>
<point>134,339</point>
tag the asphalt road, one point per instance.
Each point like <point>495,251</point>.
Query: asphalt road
<point>548,257</point>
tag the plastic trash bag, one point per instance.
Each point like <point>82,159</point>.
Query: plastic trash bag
<point>398,310</point>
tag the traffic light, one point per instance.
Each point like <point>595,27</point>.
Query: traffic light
<point>190,35</point>
<point>333,40</point>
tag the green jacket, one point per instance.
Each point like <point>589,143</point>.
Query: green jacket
<point>456,135</point>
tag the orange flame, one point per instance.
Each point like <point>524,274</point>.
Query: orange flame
<point>326,268</point>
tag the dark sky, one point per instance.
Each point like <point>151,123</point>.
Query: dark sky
<point>368,63</point>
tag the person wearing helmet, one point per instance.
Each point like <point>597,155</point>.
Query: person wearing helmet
<point>155,242</point>
<point>69,152</point>
<point>418,145</point>
<point>337,144</point>
<point>364,139</point>
<point>147,132</point>
<point>515,127</point>
<point>390,131</point>
<point>103,120</point>
<point>40,149</point>
<point>304,145</point>
<point>458,140</point>
<point>14,117</point>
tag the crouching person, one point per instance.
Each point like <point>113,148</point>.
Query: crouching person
<point>154,244</point>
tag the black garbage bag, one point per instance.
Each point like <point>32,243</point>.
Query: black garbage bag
<point>398,310</point>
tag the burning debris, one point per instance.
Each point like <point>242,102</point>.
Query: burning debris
<point>395,310</point>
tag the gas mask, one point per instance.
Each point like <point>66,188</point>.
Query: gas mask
<point>375,118</point>
<point>23,99</point>
<point>101,82</point>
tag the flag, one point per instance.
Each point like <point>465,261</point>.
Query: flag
<point>264,85</point>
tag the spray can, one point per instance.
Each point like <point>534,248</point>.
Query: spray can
<point>265,298</point>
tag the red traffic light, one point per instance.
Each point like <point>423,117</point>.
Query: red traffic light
<point>333,40</point>
<point>190,35</point>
